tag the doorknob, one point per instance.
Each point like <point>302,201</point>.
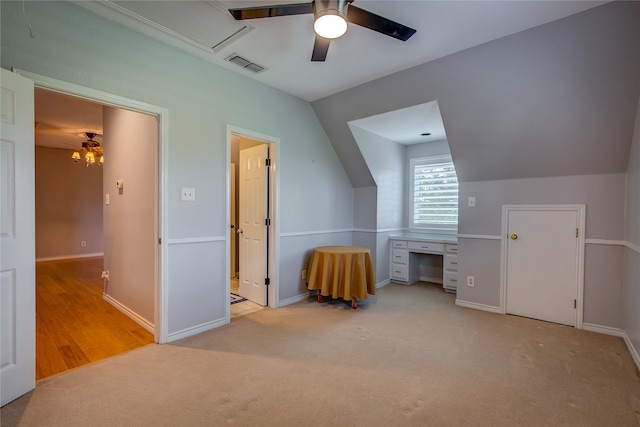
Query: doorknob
<point>514,237</point>
<point>233,226</point>
<point>239,231</point>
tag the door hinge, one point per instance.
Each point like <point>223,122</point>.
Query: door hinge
<point>159,240</point>
<point>576,232</point>
<point>267,162</point>
<point>575,304</point>
<point>267,222</point>
<point>267,281</point>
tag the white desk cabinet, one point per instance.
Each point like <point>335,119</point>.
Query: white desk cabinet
<point>408,251</point>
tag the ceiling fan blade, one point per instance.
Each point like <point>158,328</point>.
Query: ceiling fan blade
<point>374,22</point>
<point>271,11</point>
<point>320,49</point>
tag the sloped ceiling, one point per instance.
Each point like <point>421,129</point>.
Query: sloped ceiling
<point>555,100</point>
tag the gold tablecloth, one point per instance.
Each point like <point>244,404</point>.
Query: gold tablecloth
<point>342,272</point>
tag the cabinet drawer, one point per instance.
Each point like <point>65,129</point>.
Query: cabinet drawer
<point>427,247</point>
<point>451,249</point>
<point>398,244</point>
<point>451,262</point>
<point>399,272</point>
<point>399,256</point>
<point>450,281</point>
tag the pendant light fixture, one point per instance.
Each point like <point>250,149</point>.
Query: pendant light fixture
<point>91,150</point>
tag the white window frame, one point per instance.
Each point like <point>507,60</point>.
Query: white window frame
<point>432,227</point>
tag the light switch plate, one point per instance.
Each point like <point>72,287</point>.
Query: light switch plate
<point>472,202</point>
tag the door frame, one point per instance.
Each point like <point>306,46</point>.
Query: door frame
<point>89,94</point>
<point>580,211</point>
<point>273,248</point>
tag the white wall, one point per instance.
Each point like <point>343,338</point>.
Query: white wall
<point>315,196</point>
<point>68,205</point>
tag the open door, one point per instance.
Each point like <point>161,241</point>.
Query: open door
<point>253,223</point>
<point>17,232</point>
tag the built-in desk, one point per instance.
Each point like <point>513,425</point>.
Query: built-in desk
<point>407,257</point>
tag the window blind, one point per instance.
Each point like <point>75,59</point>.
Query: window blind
<point>435,195</point>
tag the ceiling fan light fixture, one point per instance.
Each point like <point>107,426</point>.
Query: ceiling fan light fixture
<point>330,24</point>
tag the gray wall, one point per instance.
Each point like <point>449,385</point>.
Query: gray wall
<point>130,225</point>
<point>604,197</point>
<point>315,196</point>
<point>631,273</point>
<point>68,206</point>
<point>555,100</point>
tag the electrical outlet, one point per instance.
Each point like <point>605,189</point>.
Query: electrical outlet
<point>304,274</point>
<point>470,281</point>
<point>187,194</point>
<point>83,243</point>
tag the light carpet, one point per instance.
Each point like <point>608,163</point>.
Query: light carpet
<point>406,357</point>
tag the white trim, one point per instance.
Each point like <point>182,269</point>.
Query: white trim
<point>606,330</point>
<point>129,313</point>
<point>604,242</point>
<point>294,300</point>
<point>479,236</point>
<point>477,306</point>
<point>195,330</point>
<point>161,296</point>
<point>75,256</point>
<point>580,244</point>
<point>632,350</point>
<point>190,240</point>
<point>632,246</point>
<point>311,233</point>
<point>273,251</point>
<point>383,283</point>
<point>364,230</point>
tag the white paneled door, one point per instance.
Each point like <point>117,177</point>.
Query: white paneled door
<point>543,263</point>
<point>17,233</point>
<point>253,230</point>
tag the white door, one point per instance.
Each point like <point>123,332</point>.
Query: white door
<point>17,232</point>
<point>253,229</point>
<point>542,263</point>
<point>233,226</point>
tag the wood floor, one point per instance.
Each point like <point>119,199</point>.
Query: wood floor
<point>74,325</point>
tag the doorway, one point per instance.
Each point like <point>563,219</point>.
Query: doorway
<point>79,318</point>
<point>543,262</point>
<point>252,217</point>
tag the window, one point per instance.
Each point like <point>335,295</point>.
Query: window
<point>433,194</point>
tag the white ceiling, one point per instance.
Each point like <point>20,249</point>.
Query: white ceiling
<point>283,45</point>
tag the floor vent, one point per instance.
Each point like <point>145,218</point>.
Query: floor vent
<point>245,63</point>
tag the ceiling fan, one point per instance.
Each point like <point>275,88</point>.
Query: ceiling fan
<point>330,20</point>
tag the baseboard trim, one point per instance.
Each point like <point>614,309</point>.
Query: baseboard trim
<point>293,300</point>
<point>195,330</point>
<point>129,313</point>
<point>607,330</point>
<point>632,350</point>
<point>66,257</point>
<point>477,306</point>
<point>383,283</point>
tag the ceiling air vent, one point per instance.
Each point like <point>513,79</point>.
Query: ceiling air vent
<point>245,63</point>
